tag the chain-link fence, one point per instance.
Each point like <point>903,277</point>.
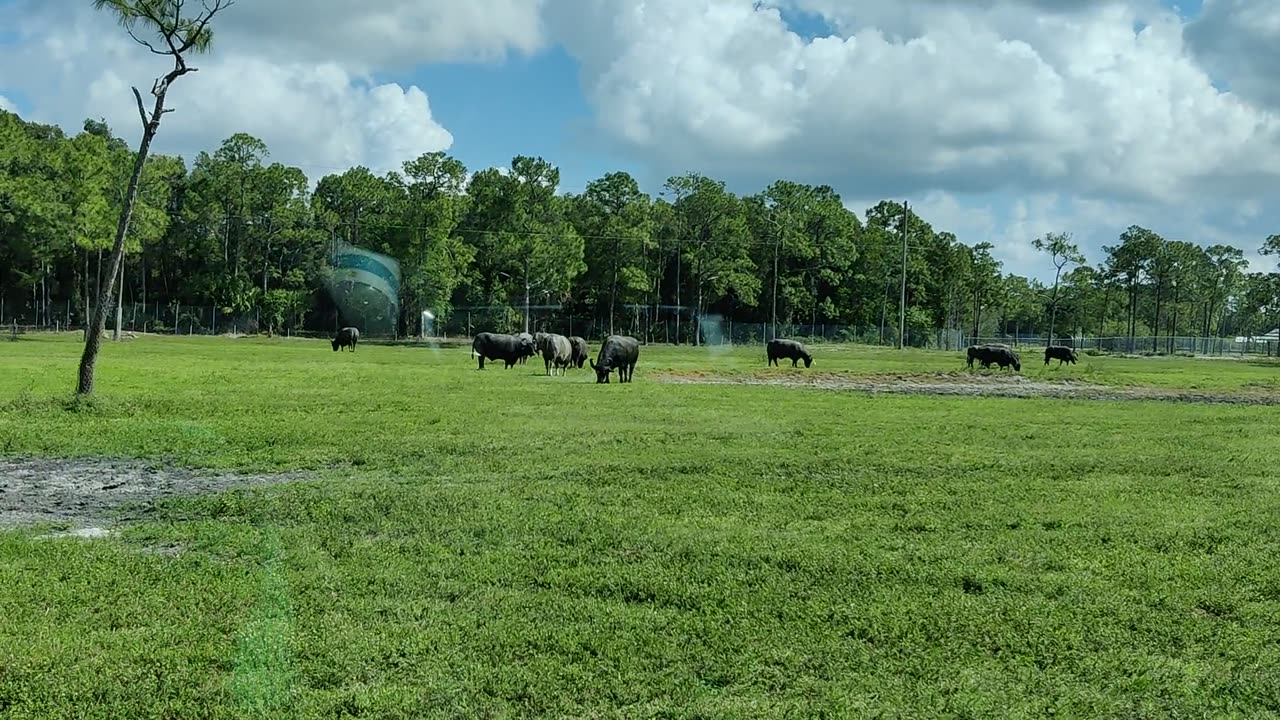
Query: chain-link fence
<point>1146,344</point>
<point>663,325</point>
<point>150,318</point>
<point>660,325</point>
<point>175,319</point>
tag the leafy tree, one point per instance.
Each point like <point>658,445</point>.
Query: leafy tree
<point>256,220</point>
<point>1184,260</point>
<point>1062,252</point>
<point>875,273</point>
<point>835,235</point>
<point>33,219</point>
<point>715,243</point>
<point>806,245</point>
<point>949,275</point>
<point>1224,270</point>
<point>613,217</point>
<point>984,277</point>
<point>520,227</point>
<point>434,257</point>
<point>1129,260</point>
<point>1022,306</point>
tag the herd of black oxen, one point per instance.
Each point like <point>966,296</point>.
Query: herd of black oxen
<point>621,352</point>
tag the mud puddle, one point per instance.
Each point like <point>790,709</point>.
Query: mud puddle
<point>90,493</point>
<point>974,385</point>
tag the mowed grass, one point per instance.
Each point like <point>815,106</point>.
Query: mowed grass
<point>503,544</point>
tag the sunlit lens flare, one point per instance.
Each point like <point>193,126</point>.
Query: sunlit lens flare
<point>365,287</point>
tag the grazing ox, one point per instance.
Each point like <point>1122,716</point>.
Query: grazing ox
<point>346,336</point>
<point>533,345</point>
<point>1001,355</point>
<point>557,351</point>
<point>975,353</point>
<point>790,349</point>
<point>618,352</point>
<point>499,346</point>
<point>1061,353</point>
<point>580,351</point>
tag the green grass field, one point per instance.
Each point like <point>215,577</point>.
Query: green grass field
<point>502,544</point>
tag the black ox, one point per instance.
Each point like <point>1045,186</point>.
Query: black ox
<point>1001,355</point>
<point>499,346</point>
<point>1061,353</point>
<point>792,350</point>
<point>347,336</point>
<point>580,351</point>
<point>619,352</point>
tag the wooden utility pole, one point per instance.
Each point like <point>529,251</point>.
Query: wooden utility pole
<point>526,293</point>
<point>679,252</point>
<point>902,301</point>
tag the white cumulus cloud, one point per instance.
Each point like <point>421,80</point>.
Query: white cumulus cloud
<point>303,82</point>
<point>1239,42</point>
<point>1063,105</point>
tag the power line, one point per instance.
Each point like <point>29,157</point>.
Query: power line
<point>753,241</point>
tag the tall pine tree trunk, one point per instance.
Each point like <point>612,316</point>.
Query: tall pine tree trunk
<point>119,300</point>
<point>1133,314</point>
<point>977,314</point>
<point>613,295</point>
<point>1155,324</point>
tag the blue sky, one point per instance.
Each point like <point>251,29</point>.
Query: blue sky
<point>523,106</point>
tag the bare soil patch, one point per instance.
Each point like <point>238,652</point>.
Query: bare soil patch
<point>972,385</point>
<point>91,493</point>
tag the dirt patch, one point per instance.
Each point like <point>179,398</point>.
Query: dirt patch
<point>973,385</point>
<point>89,493</point>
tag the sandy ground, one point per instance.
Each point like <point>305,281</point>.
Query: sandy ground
<point>974,385</point>
<point>89,494</point>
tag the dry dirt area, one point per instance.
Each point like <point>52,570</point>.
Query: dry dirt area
<point>88,494</point>
<point>973,385</point>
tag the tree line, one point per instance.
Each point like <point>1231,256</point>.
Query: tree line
<point>238,232</point>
